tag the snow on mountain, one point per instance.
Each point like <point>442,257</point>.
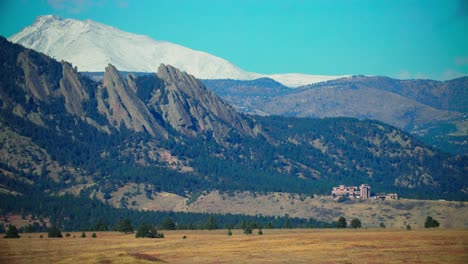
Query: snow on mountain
<point>91,46</point>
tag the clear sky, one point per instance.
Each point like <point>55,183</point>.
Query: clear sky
<point>402,39</point>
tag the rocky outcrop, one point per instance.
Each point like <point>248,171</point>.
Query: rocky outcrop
<point>38,72</point>
<point>72,89</point>
<point>190,108</point>
<point>119,102</point>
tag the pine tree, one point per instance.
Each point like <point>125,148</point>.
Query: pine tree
<point>83,235</point>
<point>211,223</point>
<point>341,223</point>
<point>55,232</point>
<point>125,226</point>
<point>94,235</point>
<point>431,222</point>
<point>12,232</point>
<point>168,224</point>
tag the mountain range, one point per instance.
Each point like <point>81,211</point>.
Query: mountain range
<point>166,140</point>
<point>168,131</point>
<point>91,46</point>
<point>434,111</point>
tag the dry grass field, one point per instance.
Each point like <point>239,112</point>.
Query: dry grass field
<point>275,246</point>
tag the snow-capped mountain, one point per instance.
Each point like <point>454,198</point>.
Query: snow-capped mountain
<point>91,46</point>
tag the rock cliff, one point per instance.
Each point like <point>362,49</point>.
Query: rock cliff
<point>119,102</point>
<point>190,108</point>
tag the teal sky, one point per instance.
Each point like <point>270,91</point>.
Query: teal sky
<point>402,39</point>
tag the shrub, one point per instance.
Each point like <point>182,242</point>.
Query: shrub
<point>145,230</point>
<point>94,235</point>
<point>356,223</point>
<point>83,235</point>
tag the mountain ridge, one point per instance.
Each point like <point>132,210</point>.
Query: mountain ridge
<point>48,150</point>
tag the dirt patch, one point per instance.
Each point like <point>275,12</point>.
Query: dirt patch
<point>147,257</point>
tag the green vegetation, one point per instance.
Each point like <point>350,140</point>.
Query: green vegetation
<point>148,231</point>
<point>168,224</point>
<point>12,232</point>
<point>431,223</point>
<point>355,223</point>
<point>341,223</point>
<point>211,223</point>
<point>125,226</point>
<point>54,232</point>
<point>80,213</point>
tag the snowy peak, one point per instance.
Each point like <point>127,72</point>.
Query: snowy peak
<point>91,46</point>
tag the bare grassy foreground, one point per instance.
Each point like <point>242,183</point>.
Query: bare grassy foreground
<point>275,246</point>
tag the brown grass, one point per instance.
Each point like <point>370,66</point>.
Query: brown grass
<point>275,246</point>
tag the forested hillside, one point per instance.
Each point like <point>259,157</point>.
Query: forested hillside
<point>63,133</point>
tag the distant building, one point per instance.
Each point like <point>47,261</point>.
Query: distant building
<point>392,196</point>
<point>344,190</point>
<point>362,193</point>
<point>352,191</point>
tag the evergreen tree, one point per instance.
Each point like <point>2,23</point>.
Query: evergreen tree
<point>54,231</point>
<point>229,232</point>
<point>211,223</point>
<point>145,230</point>
<point>341,223</point>
<point>260,232</point>
<point>125,226</point>
<point>12,232</point>
<point>356,223</point>
<point>431,222</point>
<point>29,229</point>
<point>100,226</point>
<point>83,235</point>
<point>94,235</point>
<point>168,224</point>
<point>248,230</point>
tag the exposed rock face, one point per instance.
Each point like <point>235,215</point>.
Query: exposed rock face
<point>72,90</point>
<point>190,108</point>
<point>38,80</point>
<point>119,102</point>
